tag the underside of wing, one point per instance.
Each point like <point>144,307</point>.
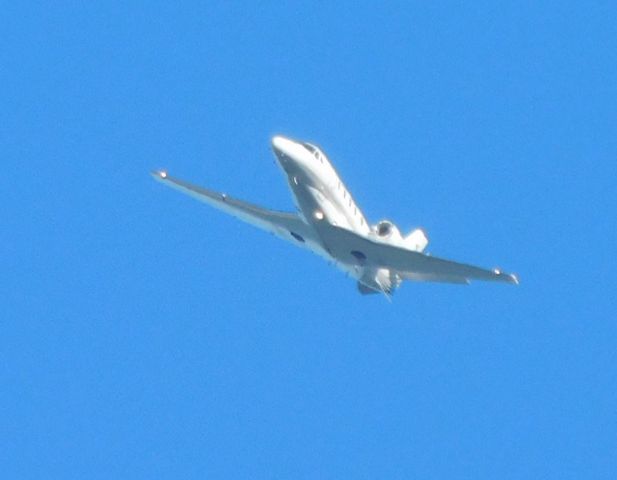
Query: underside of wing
<point>352,248</point>
<point>288,226</point>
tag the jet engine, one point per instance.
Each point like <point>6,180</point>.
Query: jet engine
<point>386,230</point>
<point>416,240</point>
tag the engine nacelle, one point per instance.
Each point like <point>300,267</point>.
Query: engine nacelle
<point>386,230</point>
<point>416,240</point>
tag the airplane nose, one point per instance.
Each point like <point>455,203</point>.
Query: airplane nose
<point>284,149</point>
<point>281,143</point>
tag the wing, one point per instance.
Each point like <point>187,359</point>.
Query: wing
<point>409,264</point>
<point>288,226</point>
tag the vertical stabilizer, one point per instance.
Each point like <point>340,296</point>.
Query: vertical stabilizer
<point>416,240</point>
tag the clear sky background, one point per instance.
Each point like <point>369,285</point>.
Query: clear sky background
<point>145,335</point>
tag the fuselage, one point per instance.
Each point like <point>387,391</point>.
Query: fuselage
<point>318,190</point>
<point>322,197</point>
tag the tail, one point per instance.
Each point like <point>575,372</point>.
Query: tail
<point>416,240</point>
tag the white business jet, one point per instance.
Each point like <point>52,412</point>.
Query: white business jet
<point>330,223</point>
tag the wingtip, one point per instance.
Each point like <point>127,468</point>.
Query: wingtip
<point>508,277</point>
<point>159,174</point>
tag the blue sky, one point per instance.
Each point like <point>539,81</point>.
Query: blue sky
<point>145,335</point>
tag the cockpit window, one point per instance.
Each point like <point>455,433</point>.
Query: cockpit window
<point>310,148</point>
<point>314,150</point>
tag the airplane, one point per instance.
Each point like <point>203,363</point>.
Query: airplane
<point>330,223</point>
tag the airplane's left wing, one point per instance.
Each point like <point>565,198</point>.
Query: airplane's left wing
<point>354,249</point>
<point>288,226</point>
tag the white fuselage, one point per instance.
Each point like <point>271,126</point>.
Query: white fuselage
<point>321,196</point>
<point>318,190</point>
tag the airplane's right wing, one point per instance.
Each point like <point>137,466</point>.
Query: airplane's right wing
<point>354,249</point>
<point>288,226</point>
